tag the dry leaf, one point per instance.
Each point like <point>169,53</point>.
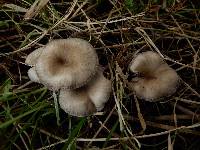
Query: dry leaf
<point>35,8</point>
<point>170,145</point>
<point>15,8</point>
<point>140,116</point>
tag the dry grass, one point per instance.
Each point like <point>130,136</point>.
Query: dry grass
<point>118,30</point>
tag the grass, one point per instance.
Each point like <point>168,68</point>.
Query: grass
<point>29,118</point>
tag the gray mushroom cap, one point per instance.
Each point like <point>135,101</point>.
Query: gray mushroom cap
<point>156,78</point>
<point>33,75</point>
<point>88,99</point>
<point>99,90</point>
<point>76,102</point>
<point>66,63</point>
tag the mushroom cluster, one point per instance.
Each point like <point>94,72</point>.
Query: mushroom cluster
<point>71,66</point>
<point>153,77</point>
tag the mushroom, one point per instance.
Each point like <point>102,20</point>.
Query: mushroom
<point>76,102</point>
<point>156,79</point>
<point>87,99</point>
<point>66,63</point>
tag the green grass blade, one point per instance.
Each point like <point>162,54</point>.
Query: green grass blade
<point>7,123</point>
<point>74,134</point>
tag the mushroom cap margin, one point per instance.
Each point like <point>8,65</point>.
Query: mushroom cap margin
<point>32,58</point>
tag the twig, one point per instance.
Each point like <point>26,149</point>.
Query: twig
<point>125,138</point>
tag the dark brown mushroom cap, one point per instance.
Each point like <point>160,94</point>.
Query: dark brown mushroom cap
<point>87,99</point>
<point>156,78</point>
<point>67,63</point>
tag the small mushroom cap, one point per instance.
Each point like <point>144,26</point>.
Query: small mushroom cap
<point>33,75</point>
<point>157,78</point>
<point>87,99</point>
<point>32,58</point>
<point>76,102</point>
<point>99,90</point>
<point>67,63</point>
